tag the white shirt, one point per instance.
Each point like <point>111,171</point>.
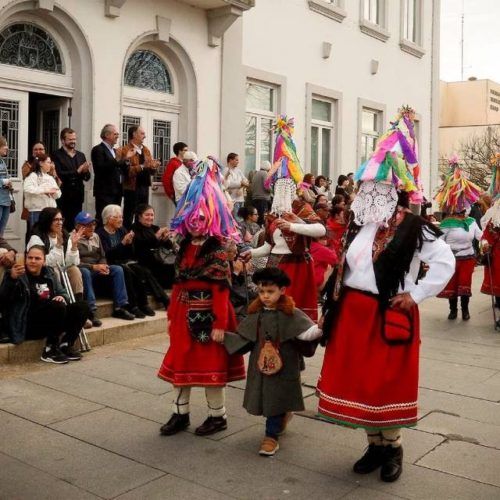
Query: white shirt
<point>460,240</point>
<point>35,192</point>
<point>111,148</point>
<point>56,255</point>
<point>233,179</point>
<point>181,180</point>
<point>359,273</point>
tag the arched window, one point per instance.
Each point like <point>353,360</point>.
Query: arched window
<point>29,46</point>
<point>146,70</point>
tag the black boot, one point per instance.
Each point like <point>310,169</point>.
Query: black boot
<point>393,464</point>
<point>453,308</point>
<point>464,303</point>
<point>78,297</point>
<point>176,423</point>
<point>211,426</point>
<point>371,460</point>
<point>95,320</point>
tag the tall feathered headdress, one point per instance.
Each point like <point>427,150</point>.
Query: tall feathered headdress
<point>494,189</point>
<point>457,193</point>
<point>203,207</point>
<point>395,159</point>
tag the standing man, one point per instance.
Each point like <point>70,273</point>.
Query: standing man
<point>73,169</point>
<point>235,183</point>
<point>261,195</point>
<point>173,164</point>
<point>184,174</point>
<point>137,178</point>
<point>108,170</point>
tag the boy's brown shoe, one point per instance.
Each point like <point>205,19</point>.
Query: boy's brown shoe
<point>269,447</point>
<point>286,420</point>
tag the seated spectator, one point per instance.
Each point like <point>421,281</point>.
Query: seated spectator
<point>339,201</point>
<point>96,272</point>
<point>248,225</point>
<point>7,260</point>
<point>37,307</point>
<point>335,228</point>
<point>307,189</point>
<point>321,199</point>
<point>152,246</point>
<point>324,260</point>
<point>40,188</point>
<point>61,251</point>
<point>119,250</point>
<point>322,185</point>
<point>322,211</point>
<point>183,175</point>
<point>342,184</point>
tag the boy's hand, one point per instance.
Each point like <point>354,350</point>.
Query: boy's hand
<point>217,335</point>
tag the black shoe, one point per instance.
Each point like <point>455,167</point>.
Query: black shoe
<point>136,312</point>
<point>371,460</point>
<point>122,313</point>
<point>465,315</point>
<point>147,310</point>
<point>176,423</point>
<point>52,354</point>
<point>453,314</point>
<point>393,464</point>
<point>211,426</point>
<point>70,352</point>
<point>95,320</point>
<point>4,338</point>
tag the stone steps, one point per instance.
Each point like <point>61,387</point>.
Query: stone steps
<point>112,330</point>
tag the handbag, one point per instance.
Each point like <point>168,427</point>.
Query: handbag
<point>269,361</point>
<point>164,256</point>
<point>397,327</point>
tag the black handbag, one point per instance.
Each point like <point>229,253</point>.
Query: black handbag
<point>164,256</point>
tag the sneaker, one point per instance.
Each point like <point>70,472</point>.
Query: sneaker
<point>122,313</point>
<point>269,447</point>
<point>95,320</point>
<point>52,354</point>
<point>147,310</point>
<point>286,420</point>
<point>371,460</point>
<point>137,312</point>
<point>70,352</point>
<point>211,426</point>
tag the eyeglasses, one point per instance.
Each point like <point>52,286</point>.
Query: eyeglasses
<point>58,219</point>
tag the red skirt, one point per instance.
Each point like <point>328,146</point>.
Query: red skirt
<point>366,382</point>
<point>191,363</point>
<point>461,281</point>
<point>491,282</point>
<point>303,289</point>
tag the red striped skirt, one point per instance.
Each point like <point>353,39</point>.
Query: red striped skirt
<point>461,281</point>
<point>366,382</point>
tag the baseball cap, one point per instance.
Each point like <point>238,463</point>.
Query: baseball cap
<point>84,218</point>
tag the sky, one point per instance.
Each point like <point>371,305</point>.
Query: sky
<point>481,39</point>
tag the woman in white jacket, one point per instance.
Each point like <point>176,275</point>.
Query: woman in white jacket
<point>40,189</point>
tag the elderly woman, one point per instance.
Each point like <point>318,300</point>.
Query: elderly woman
<point>152,246</point>
<point>5,187</point>
<point>118,246</point>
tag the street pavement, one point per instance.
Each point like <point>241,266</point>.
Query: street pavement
<point>90,429</point>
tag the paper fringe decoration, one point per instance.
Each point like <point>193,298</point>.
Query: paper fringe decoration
<point>395,159</point>
<point>494,189</point>
<point>457,193</point>
<point>203,207</point>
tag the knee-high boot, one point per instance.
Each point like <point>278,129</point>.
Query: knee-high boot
<point>464,304</point>
<point>453,308</point>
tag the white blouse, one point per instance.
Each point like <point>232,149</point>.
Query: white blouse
<point>461,240</point>
<point>359,273</point>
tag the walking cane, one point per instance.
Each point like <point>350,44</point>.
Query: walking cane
<point>82,336</point>
<point>490,276</point>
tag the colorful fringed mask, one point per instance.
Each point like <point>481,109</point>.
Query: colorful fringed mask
<point>203,208</point>
<point>457,193</point>
<point>494,189</point>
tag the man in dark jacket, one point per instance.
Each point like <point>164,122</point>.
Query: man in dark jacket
<point>108,170</point>
<point>73,169</point>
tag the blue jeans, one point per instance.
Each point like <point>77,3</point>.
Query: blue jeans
<point>33,218</point>
<point>4,218</point>
<point>274,425</point>
<point>115,280</point>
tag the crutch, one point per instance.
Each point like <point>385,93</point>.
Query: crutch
<point>82,336</point>
<point>490,276</point>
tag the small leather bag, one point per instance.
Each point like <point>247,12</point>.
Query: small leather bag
<point>397,327</point>
<point>269,361</point>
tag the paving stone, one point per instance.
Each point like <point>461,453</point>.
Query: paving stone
<point>40,404</point>
<point>21,481</point>
<point>143,357</point>
<point>201,460</point>
<point>362,493</point>
<point>170,486</point>
<point>461,429</point>
<point>466,460</point>
<point>89,467</point>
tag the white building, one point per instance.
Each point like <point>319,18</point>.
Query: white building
<point>214,74</point>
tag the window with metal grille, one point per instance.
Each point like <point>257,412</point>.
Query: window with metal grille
<point>9,128</point>
<point>161,145</point>
<point>50,136</point>
<point>146,70</point>
<point>127,122</point>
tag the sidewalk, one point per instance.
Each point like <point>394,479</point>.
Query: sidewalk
<point>90,429</point>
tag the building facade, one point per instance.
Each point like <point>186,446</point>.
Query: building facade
<point>215,73</point>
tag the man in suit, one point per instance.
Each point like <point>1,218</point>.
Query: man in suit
<point>73,169</point>
<point>140,167</point>
<point>108,170</point>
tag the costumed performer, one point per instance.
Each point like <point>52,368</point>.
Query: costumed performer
<point>455,197</point>
<point>369,377</point>
<point>200,311</point>
<point>291,223</point>
<point>494,189</point>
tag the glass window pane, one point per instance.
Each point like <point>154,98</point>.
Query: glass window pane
<point>325,151</point>
<point>369,121</point>
<point>250,143</point>
<point>371,11</point>
<point>146,70</point>
<point>363,148</point>
<point>266,139</point>
<point>321,110</point>
<point>314,149</point>
<point>260,97</point>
